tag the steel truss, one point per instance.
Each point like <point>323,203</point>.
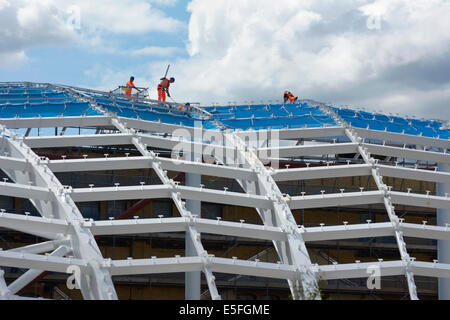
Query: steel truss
<point>68,233</point>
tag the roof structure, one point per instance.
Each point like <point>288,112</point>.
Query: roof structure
<point>385,145</point>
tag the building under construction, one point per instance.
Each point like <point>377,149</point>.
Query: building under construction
<point>108,197</point>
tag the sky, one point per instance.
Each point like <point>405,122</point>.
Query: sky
<point>382,55</point>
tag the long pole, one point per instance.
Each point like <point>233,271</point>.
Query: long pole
<point>167,71</point>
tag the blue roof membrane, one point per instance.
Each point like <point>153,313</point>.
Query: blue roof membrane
<point>149,112</point>
<point>395,124</point>
<point>22,102</point>
<point>260,117</point>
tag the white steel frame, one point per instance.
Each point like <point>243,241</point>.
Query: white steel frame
<point>71,238</point>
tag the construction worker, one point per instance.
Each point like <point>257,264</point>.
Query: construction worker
<point>163,88</point>
<point>130,86</point>
<point>187,105</point>
<point>289,96</point>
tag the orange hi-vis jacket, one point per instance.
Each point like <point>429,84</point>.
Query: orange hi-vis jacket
<point>163,87</point>
<point>130,87</point>
<point>290,96</point>
<point>165,84</point>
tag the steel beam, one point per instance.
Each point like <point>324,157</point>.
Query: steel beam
<point>13,163</point>
<point>96,282</point>
<point>78,141</point>
<point>303,133</point>
<point>321,172</point>
<point>402,138</point>
<point>155,266</point>
<point>336,200</point>
<point>52,122</point>
<point>176,197</point>
<point>420,200</point>
<point>414,174</point>
<point>32,274</point>
<point>309,150</point>
<point>42,247</point>
<point>443,220</point>
<point>40,262</point>
<point>129,163</point>
<point>293,250</point>
<point>25,192</point>
<point>405,153</point>
<point>164,191</point>
<point>41,227</point>
<point>390,211</point>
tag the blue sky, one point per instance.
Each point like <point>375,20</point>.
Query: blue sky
<point>67,64</point>
<point>383,55</point>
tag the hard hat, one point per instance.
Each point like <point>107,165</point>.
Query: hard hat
<point>172,80</point>
<point>132,78</point>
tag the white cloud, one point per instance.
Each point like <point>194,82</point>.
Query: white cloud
<point>29,24</point>
<point>122,16</point>
<point>255,49</point>
<point>26,24</point>
<point>157,51</point>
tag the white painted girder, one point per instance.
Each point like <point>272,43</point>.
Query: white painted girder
<point>390,211</point>
<point>407,153</point>
<point>52,122</point>
<point>40,262</point>
<point>120,139</point>
<point>13,163</point>
<point>154,266</point>
<point>293,250</point>
<point>335,200</point>
<point>164,191</point>
<point>137,141</point>
<point>128,163</point>
<point>312,173</point>
<point>360,270</point>
<point>78,141</point>
<point>32,274</point>
<point>402,138</point>
<point>303,133</point>
<point>356,231</point>
<point>309,150</point>
<point>38,226</point>
<point>42,247</point>
<point>414,174</point>
<point>26,192</point>
<point>273,270</point>
<point>420,200</point>
<point>96,283</point>
<point>226,228</point>
<point>228,266</point>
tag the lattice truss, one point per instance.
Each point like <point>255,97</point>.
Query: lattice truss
<point>71,238</point>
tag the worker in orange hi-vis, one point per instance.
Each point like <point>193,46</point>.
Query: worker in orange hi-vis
<point>186,107</point>
<point>130,86</point>
<point>289,96</point>
<point>163,88</point>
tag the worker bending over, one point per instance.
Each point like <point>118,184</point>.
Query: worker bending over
<point>289,96</point>
<point>130,86</point>
<point>163,88</point>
